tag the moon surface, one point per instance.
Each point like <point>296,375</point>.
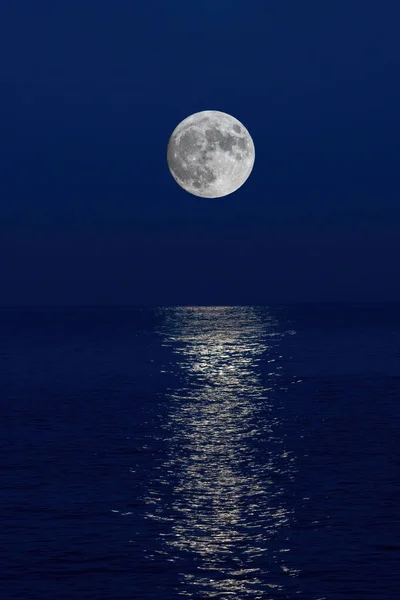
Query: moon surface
<point>210,154</point>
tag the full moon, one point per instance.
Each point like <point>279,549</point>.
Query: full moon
<point>210,154</point>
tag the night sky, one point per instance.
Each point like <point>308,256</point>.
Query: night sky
<point>90,91</point>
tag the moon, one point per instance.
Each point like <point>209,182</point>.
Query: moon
<point>210,154</point>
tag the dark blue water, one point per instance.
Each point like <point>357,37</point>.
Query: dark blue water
<point>224,453</point>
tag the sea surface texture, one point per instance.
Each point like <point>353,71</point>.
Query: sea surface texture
<point>225,453</point>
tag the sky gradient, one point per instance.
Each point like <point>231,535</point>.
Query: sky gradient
<point>90,92</point>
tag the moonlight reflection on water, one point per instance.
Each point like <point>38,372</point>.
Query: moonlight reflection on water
<point>229,523</point>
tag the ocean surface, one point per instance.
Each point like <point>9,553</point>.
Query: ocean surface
<point>230,453</point>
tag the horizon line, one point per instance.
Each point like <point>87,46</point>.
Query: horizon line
<point>185,305</point>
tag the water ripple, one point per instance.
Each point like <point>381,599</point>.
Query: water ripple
<point>226,457</point>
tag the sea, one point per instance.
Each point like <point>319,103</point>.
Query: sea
<point>229,452</point>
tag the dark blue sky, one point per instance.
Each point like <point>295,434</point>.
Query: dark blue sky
<point>90,91</point>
